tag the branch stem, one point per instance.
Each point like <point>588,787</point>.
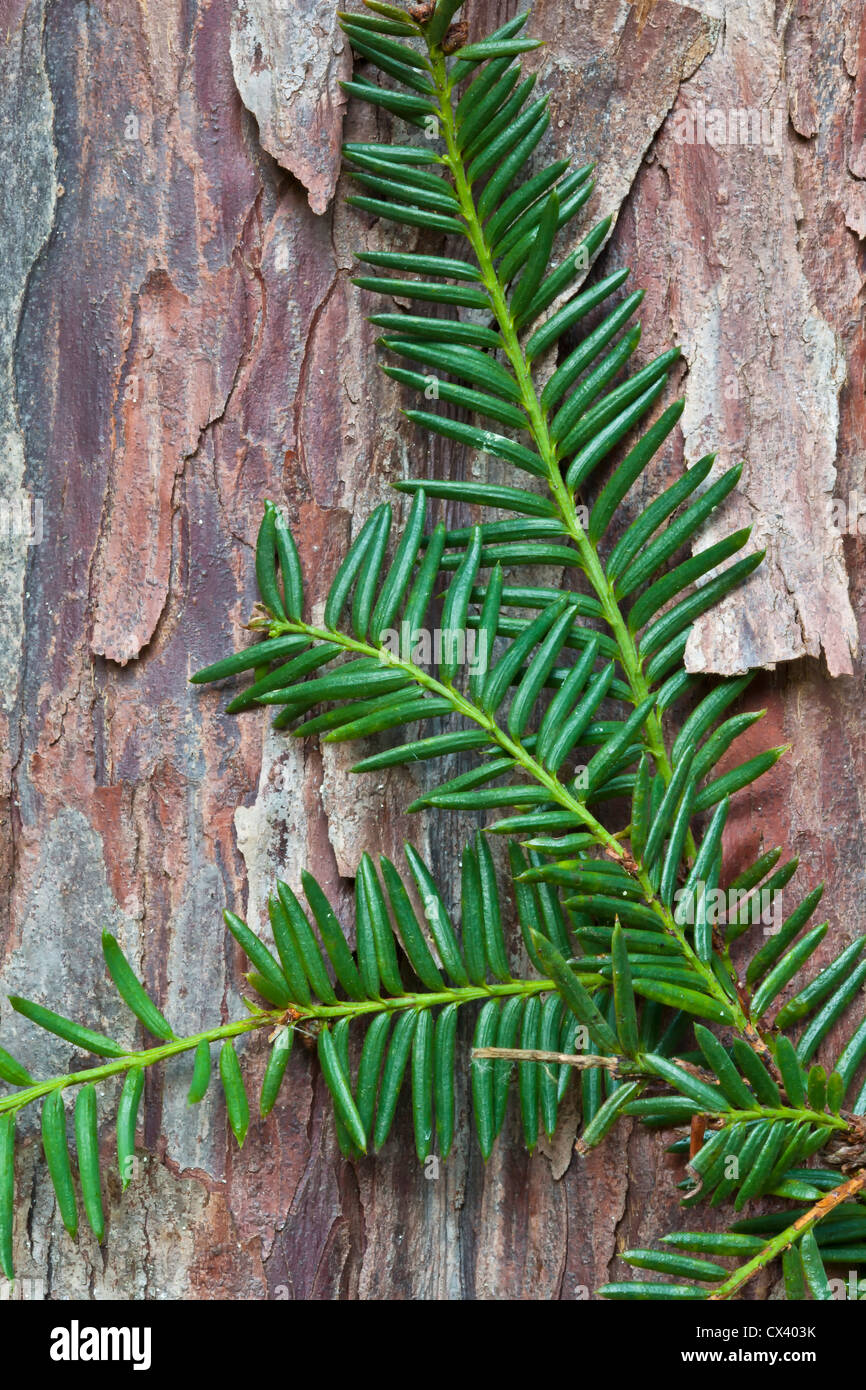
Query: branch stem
<point>538,418</point>
<point>270,1018</point>
<point>559,793</point>
<point>781,1242</point>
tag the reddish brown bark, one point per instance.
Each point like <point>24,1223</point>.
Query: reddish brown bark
<point>179,339</point>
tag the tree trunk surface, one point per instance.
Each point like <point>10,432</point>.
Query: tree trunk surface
<point>180,339</point>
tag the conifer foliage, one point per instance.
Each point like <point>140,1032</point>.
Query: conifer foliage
<point>625,980</point>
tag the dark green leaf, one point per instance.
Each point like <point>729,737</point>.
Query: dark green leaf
<point>401,71</point>
<point>258,655</point>
<point>515,246</point>
<point>578,360</point>
<point>707,596</point>
<point>308,949</point>
<point>383,937</point>
<point>290,959</point>
<point>673,583</point>
<point>503,141</point>
<point>813,1268</point>
<point>467,362</point>
<point>284,676</point>
<point>711,1097</point>
<point>456,607</point>
<point>290,568</point>
<point>607,1114</point>
<point>600,766</point>
<point>484,404</point>
<point>650,559</point>
<point>793,1076</point>
<point>347,573</point>
<point>57,1157</point>
<point>376,25</point>
<point>491,915</point>
<point>630,470</point>
<point>237,1106</point>
<point>369,1067</point>
<point>444,1042</point>
<point>405,706</point>
<point>511,165</point>
<point>341,1091</point>
<point>658,1292</point>
<point>200,1073</point>
<point>562,737</point>
<point>416,947</point>
<point>84,1038</point>
<point>737,778</point>
<point>261,958</point>
<point>626,1013</point>
<point>266,563</point>
<point>754,1071</point>
<point>437,330</point>
<point>528,1072</point>
<point>7,1192</point>
<point>690,1001</point>
<point>333,938</point>
<point>419,264</point>
<point>482,1076</point>
<point>392,1076</point>
<point>422,1084</point>
<point>397,579</point>
<point>574,994</point>
<point>827,1015</point>
<point>665,1262</point>
<point>506,1037</point>
<point>484,97</point>
<point>491,48</point>
<point>540,667</point>
<point>786,969</point>
<point>12,1071</point>
<point>367,582</point>
<point>807,1000</point>
<point>500,678</point>
<point>538,260</point>
<point>413,109</point>
<point>487,441</point>
<point>127,1114</point>
<point>87,1146</point>
<point>572,312</point>
<point>559,279</point>
<point>471,918</point>
<point>422,589</point>
<point>609,407</point>
<point>437,918</point>
<point>777,945</point>
<point>723,1068</point>
<point>527,195</point>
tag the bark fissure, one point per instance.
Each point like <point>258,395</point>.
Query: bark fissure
<point>120,786</point>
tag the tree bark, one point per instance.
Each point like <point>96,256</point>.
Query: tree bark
<point>179,339</point>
